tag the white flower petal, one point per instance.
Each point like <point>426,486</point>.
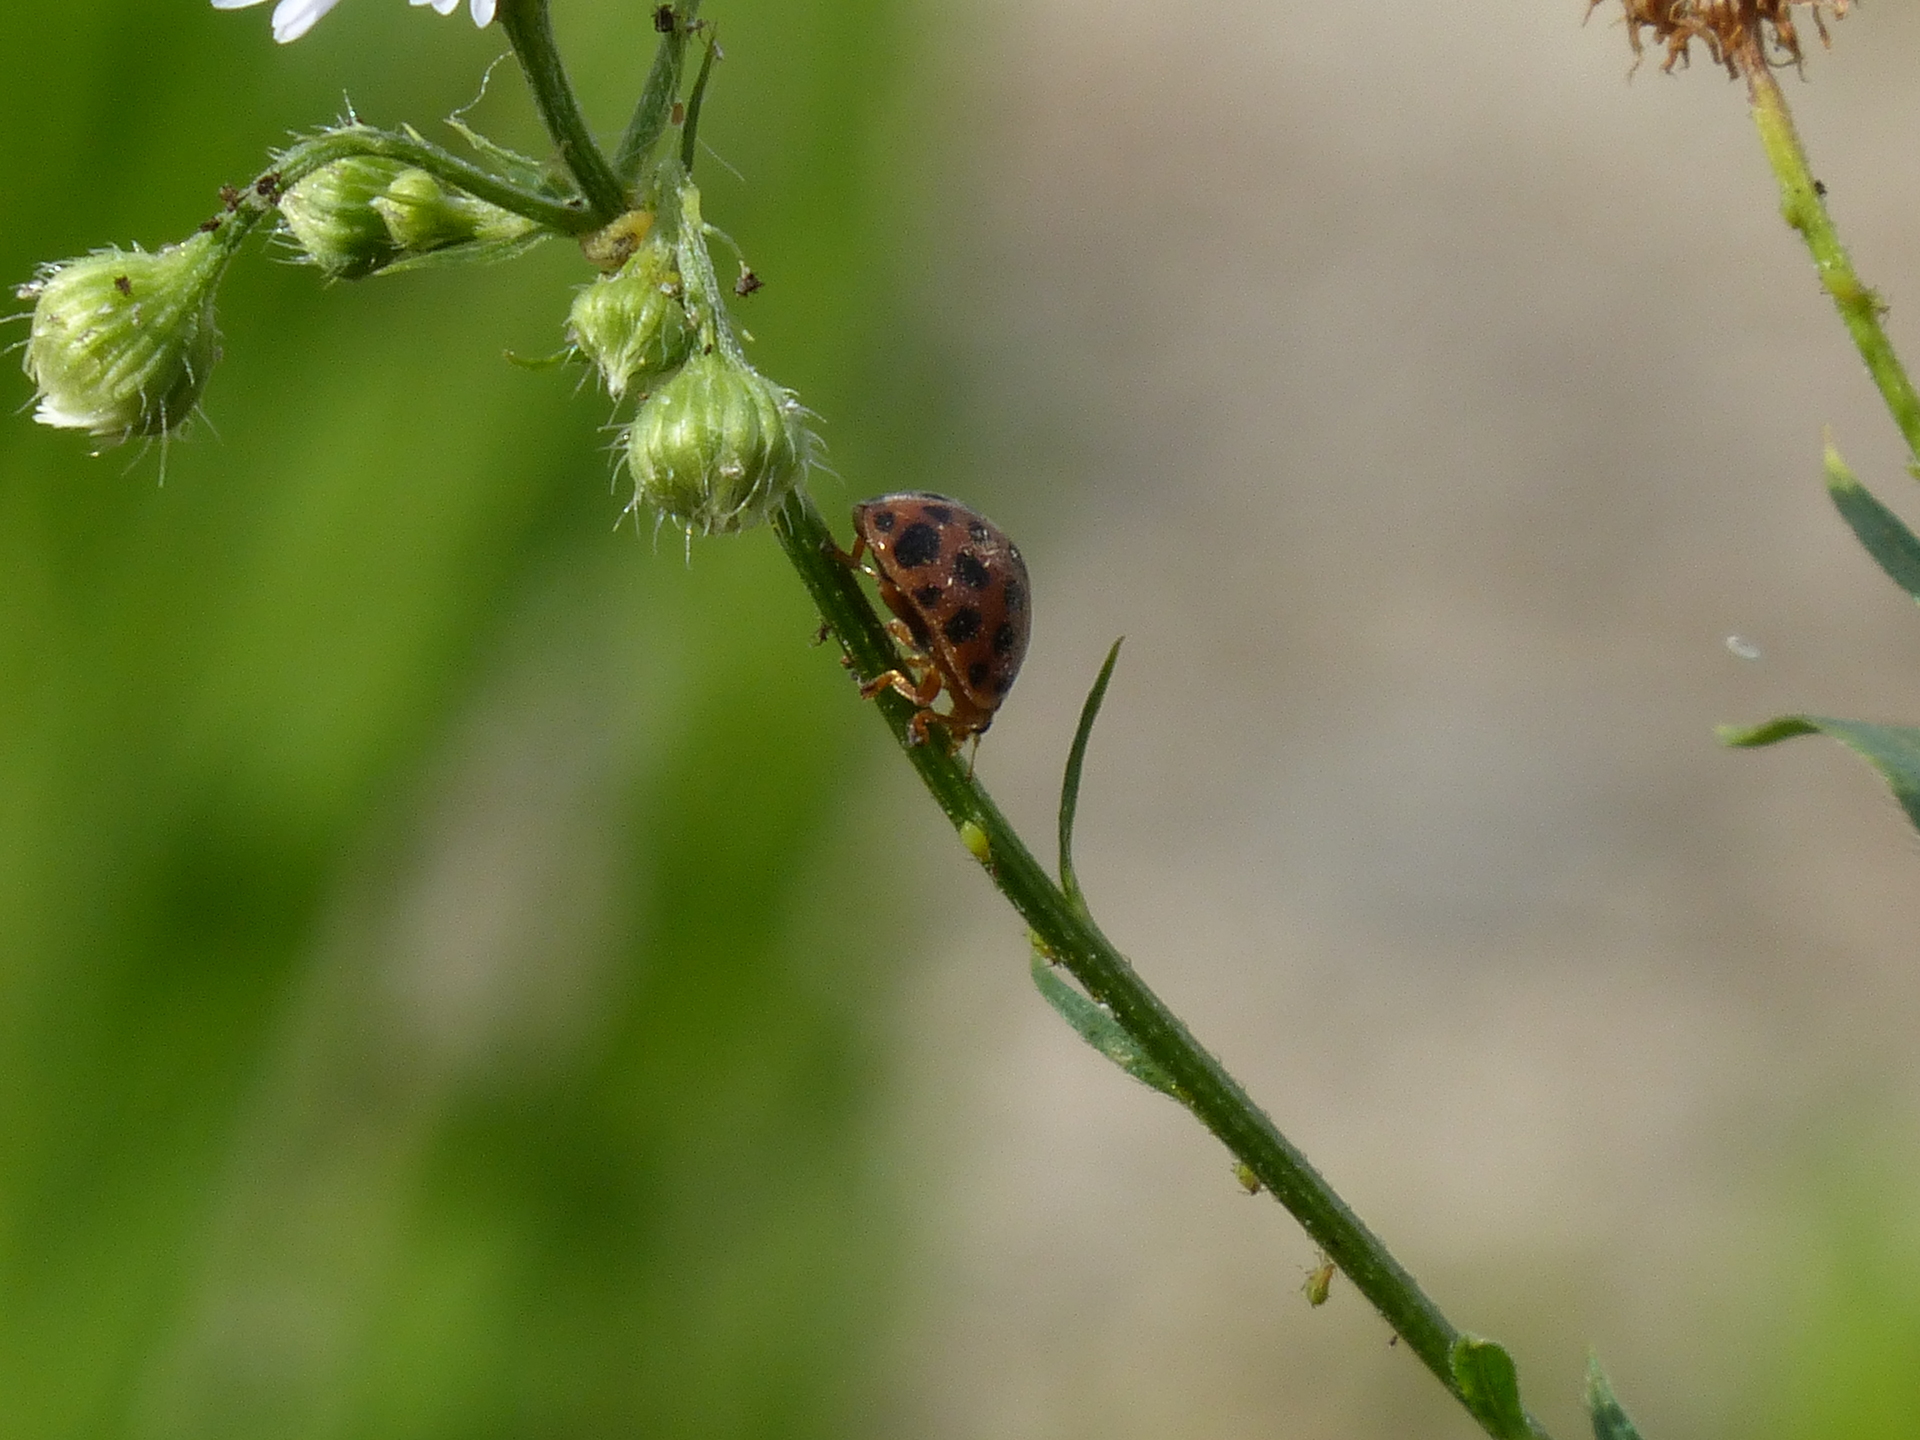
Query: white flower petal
<point>293,18</point>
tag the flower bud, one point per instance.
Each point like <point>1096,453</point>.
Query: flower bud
<point>422,215</point>
<point>632,325</point>
<point>717,447</point>
<point>331,216</point>
<point>123,340</point>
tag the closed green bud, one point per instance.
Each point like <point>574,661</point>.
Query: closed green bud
<point>632,325</point>
<point>331,216</point>
<point>422,216</point>
<point>717,447</point>
<point>123,341</point>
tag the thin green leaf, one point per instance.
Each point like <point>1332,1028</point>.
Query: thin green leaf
<point>1893,750</point>
<point>1886,537</point>
<point>1490,1387</point>
<point>510,165</point>
<point>655,108</point>
<point>690,127</point>
<point>1070,782</point>
<point>1095,1024</point>
<point>1610,1422</point>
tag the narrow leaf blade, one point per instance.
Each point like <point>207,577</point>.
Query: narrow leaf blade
<point>1893,750</point>
<point>1095,1024</point>
<point>1885,536</point>
<point>1490,1386</point>
<point>1070,782</point>
<point>1610,1422</point>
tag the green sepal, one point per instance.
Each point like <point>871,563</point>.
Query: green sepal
<point>1610,1422</point>
<point>1893,750</point>
<point>1489,1387</point>
<point>1884,535</point>
<point>1095,1024</point>
<point>469,252</point>
<point>509,165</point>
<point>565,355</point>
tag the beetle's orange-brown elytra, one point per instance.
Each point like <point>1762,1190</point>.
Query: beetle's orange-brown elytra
<point>960,590</point>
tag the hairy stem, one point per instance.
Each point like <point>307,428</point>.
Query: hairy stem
<point>1070,938</point>
<point>1804,207</point>
<point>530,31</point>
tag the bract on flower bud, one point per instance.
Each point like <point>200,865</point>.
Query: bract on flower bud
<point>123,340</point>
<point>717,447</point>
<point>632,325</point>
<point>422,215</point>
<point>332,217</point>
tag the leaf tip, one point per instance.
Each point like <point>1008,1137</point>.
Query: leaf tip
<point>1610,1422</point>
<point>1749,737</point>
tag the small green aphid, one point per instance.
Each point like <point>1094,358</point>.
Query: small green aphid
<point>1249,1181</point>
<point>975,839</point>
<point>1319,1282</point>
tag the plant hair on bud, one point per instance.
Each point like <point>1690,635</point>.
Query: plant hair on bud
<point>123,341</point>
<point>718,447</point>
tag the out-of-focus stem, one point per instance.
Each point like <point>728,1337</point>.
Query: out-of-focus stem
<point>1804,207</point>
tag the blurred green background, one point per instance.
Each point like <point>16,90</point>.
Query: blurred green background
<point>465,971</point>
<point>433,1000</point>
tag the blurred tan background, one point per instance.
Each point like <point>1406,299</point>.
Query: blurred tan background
<point>1428,399</point>
<point>466,973</point>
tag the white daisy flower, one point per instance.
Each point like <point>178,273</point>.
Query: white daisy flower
<point>293,18</point>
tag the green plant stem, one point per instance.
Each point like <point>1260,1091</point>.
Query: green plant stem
<point>1071,939</point>
<point>655,109</point>
<point>1805,209</point>
<point>303,157</point>
<point>529,30</point>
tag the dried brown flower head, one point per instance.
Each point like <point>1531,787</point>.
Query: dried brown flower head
<point>1737,33</point>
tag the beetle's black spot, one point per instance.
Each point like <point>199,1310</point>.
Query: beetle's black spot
<point>1004,638</point>
<point>978,530</point>
<point>939,514</point>
<point>962,625</point>
<point>882,520</point>
<point>977,673</point>
<point>970,572</point>
<point>922,637</point>
<point>1016,597</point>
<point>928,596</point>
<point>1002,683</point>
<point>919,544</point>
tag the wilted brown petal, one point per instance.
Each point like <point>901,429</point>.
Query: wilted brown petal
<point>1735,32</point>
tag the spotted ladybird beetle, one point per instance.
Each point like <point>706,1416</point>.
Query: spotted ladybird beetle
<point>959,589</point>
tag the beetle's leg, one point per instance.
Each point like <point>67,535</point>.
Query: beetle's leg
<point>848,558</point>
<point>956,731</point>
<point>917,679</point>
